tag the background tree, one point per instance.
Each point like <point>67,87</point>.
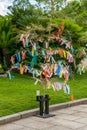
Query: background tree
<point>51,7</point>
<point>47,15</point>
<point>23,10</point>
<point>7,38</point>
<point>72,9</point>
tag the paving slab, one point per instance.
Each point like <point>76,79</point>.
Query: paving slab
<point>83,128</point>
<point>80,114</point>
<point>82,120</point>
<point>11,127</point>
<point>57,127</point>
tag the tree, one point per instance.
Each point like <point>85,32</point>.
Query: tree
<point>81,20</point>
<point>83,5</point>
<point>51,7</point>
<point>76,11</point>
<point>71,31</point>
<point>23,10</point>
<point>7,38</point>
<point>72,9</point>
<point>47,50</point>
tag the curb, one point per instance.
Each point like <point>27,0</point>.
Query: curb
<point>29,113</point>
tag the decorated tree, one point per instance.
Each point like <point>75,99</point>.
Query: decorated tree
<point>45,53</point>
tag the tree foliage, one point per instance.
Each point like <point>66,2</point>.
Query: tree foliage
<point>23,10</point>
<point>43,18</point>
<point>7,38</point>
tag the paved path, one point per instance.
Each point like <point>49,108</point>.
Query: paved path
<point>72,118</point>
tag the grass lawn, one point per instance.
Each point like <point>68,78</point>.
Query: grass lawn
<point>19,94</point>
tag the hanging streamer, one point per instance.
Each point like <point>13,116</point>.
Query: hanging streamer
<point>21,68</point>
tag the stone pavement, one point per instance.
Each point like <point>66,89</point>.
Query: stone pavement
<point>71,118</point>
